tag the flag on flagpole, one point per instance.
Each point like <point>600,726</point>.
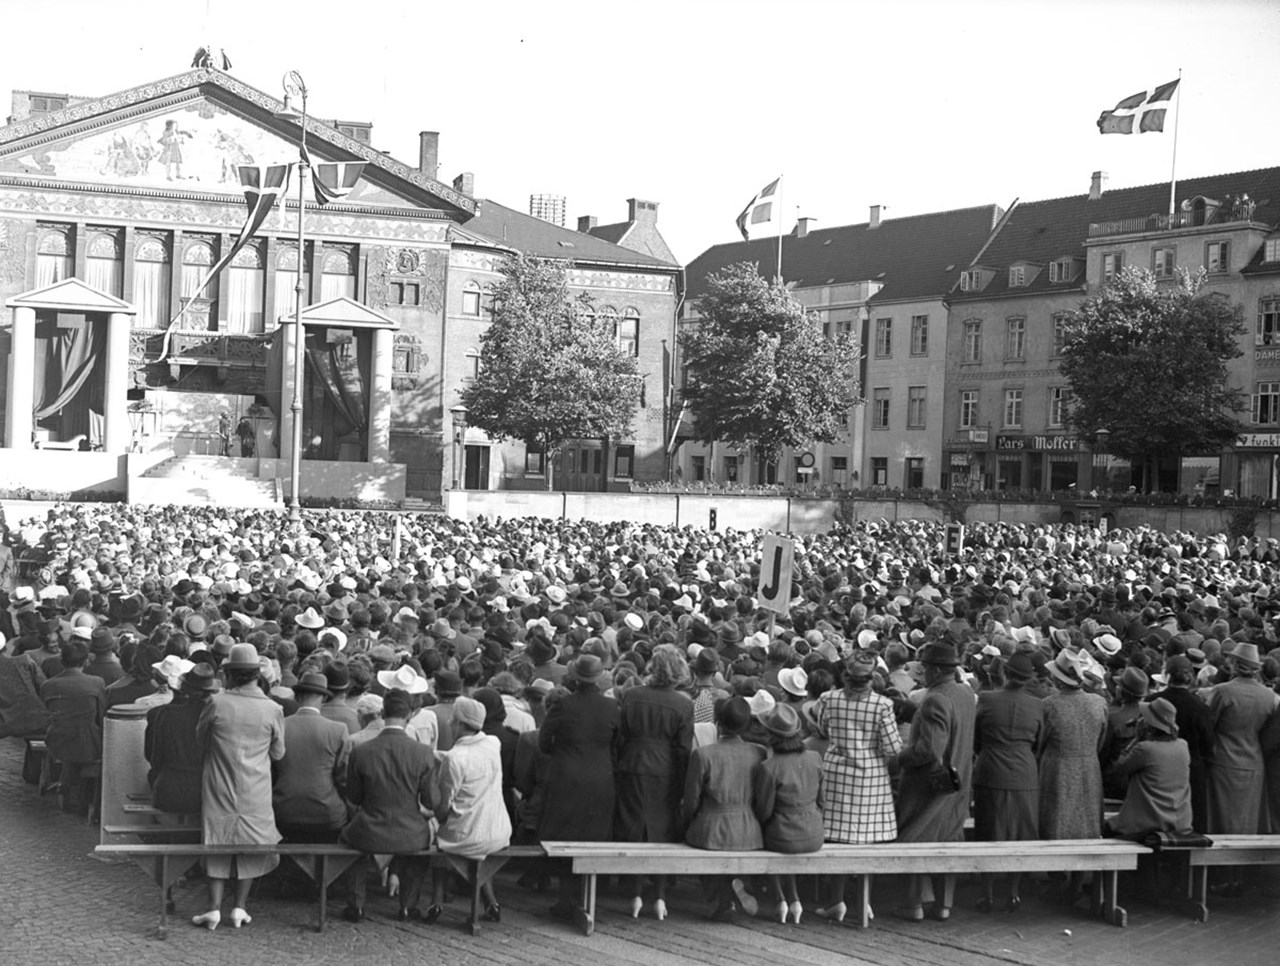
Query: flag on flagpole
<point>262,184</point>
<point>1148,111</point>
<point>760,210</point>
<point>332,180</point>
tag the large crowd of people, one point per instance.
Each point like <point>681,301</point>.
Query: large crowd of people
<point>396,682</point>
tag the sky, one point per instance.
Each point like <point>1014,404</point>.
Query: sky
<point>914,105</point>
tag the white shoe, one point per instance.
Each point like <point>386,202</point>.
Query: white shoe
<point>659,909</point>
<point>796,911</point>
<point>636,905</point>
<point>209,919</point>
<point>240,918</point>
<point>836,912</point>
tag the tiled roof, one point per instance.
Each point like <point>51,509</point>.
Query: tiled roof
<point>533,236</point>
<point>610,233</point>
<point>916,257</point>
<point>1040,231</point>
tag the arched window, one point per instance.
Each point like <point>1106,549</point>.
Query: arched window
<point>471,299</point>
<point>487,301</point>
<point>197,259</point>
<point>151,281</point>
<point>55,256</point>
<point>245,291</point>
<point>629,332</point>
<point>471,370</point>
<point>338,274</point>
<point>104,266</point>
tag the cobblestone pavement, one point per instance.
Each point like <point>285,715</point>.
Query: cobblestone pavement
<point>60,905</point>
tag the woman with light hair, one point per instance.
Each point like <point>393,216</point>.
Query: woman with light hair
<point>656,736</point>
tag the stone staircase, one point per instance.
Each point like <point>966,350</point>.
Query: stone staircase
<point>195,480</point>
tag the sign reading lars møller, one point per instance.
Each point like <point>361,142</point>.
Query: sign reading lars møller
<point>1051,444</point>
<point>1258,441</point>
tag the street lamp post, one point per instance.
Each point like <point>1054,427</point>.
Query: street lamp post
<point>294,87</point>
<point>459,414</point>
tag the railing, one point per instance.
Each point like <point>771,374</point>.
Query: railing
<point>201,346</point>
<point>1235,210</point>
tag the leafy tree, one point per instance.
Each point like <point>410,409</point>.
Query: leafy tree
<point>550,371</point>
<point>761,372</point>
<point>1148,363</point>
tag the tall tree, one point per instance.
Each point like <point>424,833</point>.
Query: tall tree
<point>1148,363</point>
<point>550,370</point>
<point>761,373</point>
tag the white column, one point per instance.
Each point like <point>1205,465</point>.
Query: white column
<point>380,398</point>
<point>115,397</point>
<point>21,399</point>
<point>285,440</point>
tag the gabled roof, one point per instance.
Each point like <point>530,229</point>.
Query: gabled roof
<point>512,229</point>
<point>343,312</point>
<point>914,258</point>
<point>71,295</point>
<point>83,119</point>
<point>613,234</point>
<point>1040,231</point>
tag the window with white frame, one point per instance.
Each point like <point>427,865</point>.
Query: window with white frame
<point>879,471</point>
<point>1215,257</point>
<point>916,405</point>
<point>1062,270</point>
<point>973,340</point>
<point>919,335</point>
<point>884,338</point>
<point>1266,404</point>
<point>1012,409</point>
<point>338,274</point>
<point>1271,250</point>
<point>628,333</point>
<point>471,299</point>
<point>1059,400</point>
<point>1112,262</point>
<point>971,281</point>
<point>1162,262</point>
<point>1268,322</point>
<point>1059,335</point>
<point>880,409</point>
<point>151,276</point>
<point>535,461</point>
<point>246,285</point>
<point>968,408</point>
<point>1015,338</point>
<point>471,366</point>
<point>839,471</point>
<point>55,255</point>
<point>624,461</point>
<point>104,264</point>
<point>1017,276</point>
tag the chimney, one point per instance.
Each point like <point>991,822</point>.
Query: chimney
<point>586,223</point>
<point>875,217</point>
<point>429,153</point>
<point>466,183</point>
<point>1097,185</point>
<point>642,211</point>
<point>802,226</point>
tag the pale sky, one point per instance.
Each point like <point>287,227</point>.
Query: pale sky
<point>916,105</point>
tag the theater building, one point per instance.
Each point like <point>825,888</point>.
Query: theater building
<point>112,212</point>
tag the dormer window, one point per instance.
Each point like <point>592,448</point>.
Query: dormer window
<point>1062,270</point>
<point>1017,276</point>
<point>1271,250</point>
<point>971,281</point>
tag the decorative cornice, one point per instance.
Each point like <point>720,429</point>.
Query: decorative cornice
<point>42,128</point>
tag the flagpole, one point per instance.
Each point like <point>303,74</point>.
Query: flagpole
<point>299,330</point>
<point>780,215</point>
<point>1173,170</point>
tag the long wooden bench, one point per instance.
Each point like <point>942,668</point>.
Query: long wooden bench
<point>323,862</point>
<point>1236,850</point>
<point>1107,857</point>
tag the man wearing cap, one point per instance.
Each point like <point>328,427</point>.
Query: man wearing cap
<point>1195,727</point>
<point>311,777</point>
<point>1156,771</point>
<point>937,765</point>
<point>1239,709</point>
<point>103,662</point>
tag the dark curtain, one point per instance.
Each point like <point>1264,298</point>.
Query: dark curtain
<point>340,376</point>
<point>68,348</point>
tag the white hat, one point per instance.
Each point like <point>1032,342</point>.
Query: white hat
<point>1108,644</point>
<point>499,604</point>
<point>793,681</point>
<point>173,667</point>
<point>52,592</point>
<point>336,634</point>
<point>21,594</point>
<point>82,633</point>
<point>634,621</point>
<point>556,594</point>
<point>406,613</point>
<point>405,678</point>
<point>762,702</point>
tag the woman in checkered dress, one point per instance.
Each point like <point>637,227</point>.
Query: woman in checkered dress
<point>856,790</point>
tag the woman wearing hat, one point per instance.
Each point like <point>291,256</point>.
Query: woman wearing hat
<point>863,738</point>
<point>1075,722</point>
<point>241,731</point>
<point>1006,777</point>
<point>787,797</point>
<point>1156,770</point>
<point>177,764</point>
<point>656,734</point>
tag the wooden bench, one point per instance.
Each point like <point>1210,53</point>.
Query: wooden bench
<point>1107,857</point>
<point>322,862</point>
<point>1226,850</point>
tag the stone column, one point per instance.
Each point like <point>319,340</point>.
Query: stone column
<point>115,400</point>
<point>380,398</point>
<point>21,399</point>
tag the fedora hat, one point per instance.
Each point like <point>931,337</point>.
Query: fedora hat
<point>1246,654</point>
<point>199,678</point>
<point>195,626</point>
<point>1161,714</point>
<point>793,680</point>
<point>336,611</point>
<point>313,682</point>
<point>403,678</point>
<point>244,657</point>
<point>1019,666</point>
<point>733,715</point>
<point>1108,644</point>
<point>782,721</point>
<point>448,683</point>
<point>309,619</point>
<point>441,630</point>
<point>1064,668</point>
<point>762,703</point>
<point>941,655</point>
<point>587,669</point>
<point>1134,681</point>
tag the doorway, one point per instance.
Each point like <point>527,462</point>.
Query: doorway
<point>476,471</point>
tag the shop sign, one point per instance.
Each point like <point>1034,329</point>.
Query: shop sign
<point>1011,442</point>
<point>1267,355</point>
<point>1258,441</point>
<point>1055,444</point>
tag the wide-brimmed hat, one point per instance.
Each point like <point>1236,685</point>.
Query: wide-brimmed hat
<point>1108,644</point>
<point>1246,654</point>
<point>172,668</point>
<point>336,611</point>
<point>1161,714</point>
<point>404,678</point>
<point>587,669</point>
<point>101,640</point>
<point>243,657</point>
<point>195,626</point>
<point>941,655</point>
<point>1066,669</point>
<point>199,678</point>
<point>1019,666</point>
<point>1134,681</point>
<point>442,630</point>
<point>309,619</point>
<point>338,637</point>
<point>313,682</point>
<point>793,680</point>
<point>782,721</point>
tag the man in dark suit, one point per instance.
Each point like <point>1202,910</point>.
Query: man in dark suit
<point>307,796</point>
<point>76,703</point>
<point>388,781</point>
<point>1195,727</point>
